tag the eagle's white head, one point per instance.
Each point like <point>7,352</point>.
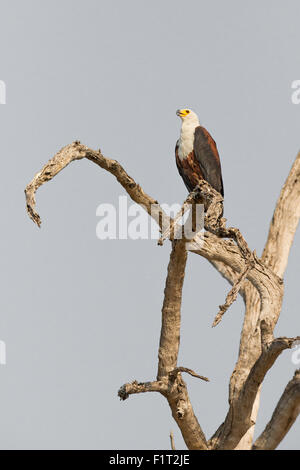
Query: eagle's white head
<point>189,123</point>
<point>188,117</point>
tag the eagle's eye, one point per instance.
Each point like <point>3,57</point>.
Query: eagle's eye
<point>187,111</point>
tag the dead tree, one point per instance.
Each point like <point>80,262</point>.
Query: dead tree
<point>259,280</point>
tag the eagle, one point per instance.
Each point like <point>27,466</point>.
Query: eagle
<point>196,153</point>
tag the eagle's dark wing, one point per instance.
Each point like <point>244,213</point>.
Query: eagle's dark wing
<point>205,150</point>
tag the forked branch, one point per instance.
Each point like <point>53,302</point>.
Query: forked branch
<point>258,280</point>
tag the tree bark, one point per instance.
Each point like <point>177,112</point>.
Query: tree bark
<point>258,280</point>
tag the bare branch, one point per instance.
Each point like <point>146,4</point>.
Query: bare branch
<point>270,290</point>
<point>275,255</point>
<point>193,197</point>
<point>174,389</point>
<point>141,387</point>
<point>284,222</point>
<point>171,311</point>
<point>168,233</point>
<point>216,225</point>
<point>258,281</point>
<point>177,395</point>
<point>77,151</point>
<point>231,296</point>
<point>173,374</point>
<point>226,272</point>
<point>172,441</point>
<point>238,419</point>
<point>268,285</point>
<point>182,412</point>
<point>284,416</point>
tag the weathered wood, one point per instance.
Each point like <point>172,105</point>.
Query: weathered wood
<point>259,281</point>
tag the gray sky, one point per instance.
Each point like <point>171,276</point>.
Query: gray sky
<point>82,316</point>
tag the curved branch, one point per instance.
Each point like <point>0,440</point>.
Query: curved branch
<point>176,393</point>
<point>227,250</point>
<point>275,255</point>
<point>284,222</point>
<point>238,419</point>
<point>284,416</point>
<point>77,151</point>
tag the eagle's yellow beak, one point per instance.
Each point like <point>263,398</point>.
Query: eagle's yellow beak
<point>182,112</point>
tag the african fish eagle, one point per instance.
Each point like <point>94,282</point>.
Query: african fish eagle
<point>197,157</point>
